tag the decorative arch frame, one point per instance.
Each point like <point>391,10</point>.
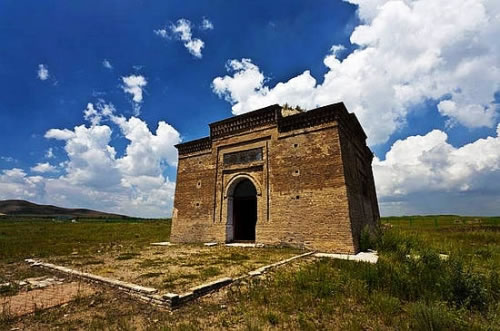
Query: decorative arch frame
<point>228,196</point>
<point>236,179</point>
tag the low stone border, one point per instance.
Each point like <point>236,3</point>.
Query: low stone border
<point>370,257</point>
<point>201,290</point>
<point>113,282</point>
<point>261,270</point>
<point>162,243</point>
<point>169,300</point>
<point>250,245</point>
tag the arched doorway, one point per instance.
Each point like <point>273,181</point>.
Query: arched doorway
<point>244,211</point>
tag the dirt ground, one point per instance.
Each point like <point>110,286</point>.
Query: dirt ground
<point>27,302</point>
<point>174,268</point>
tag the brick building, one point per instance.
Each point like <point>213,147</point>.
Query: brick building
<point>278,176</point>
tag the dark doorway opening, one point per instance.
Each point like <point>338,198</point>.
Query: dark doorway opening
<point>244,211</point>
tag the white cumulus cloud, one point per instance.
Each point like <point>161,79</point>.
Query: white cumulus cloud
<point>43,72</point>
<point>182,30</point>
<point>162,33</point>
<point>16,184</point>
<point>134,85</point>
<point>428,165</point>
<point>408,52</point>
<point>94,176</point>
<point>43,168</point>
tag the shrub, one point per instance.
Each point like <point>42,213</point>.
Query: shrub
<point>394,243</point>
<point>368,239</point>
<point>413,272</point>
<point>467,289</point>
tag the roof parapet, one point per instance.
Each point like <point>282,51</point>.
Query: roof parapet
<point>270,116</point>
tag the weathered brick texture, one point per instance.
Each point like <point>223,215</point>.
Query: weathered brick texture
<point>314,180</point>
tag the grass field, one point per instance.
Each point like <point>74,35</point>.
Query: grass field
<point>411,288</point>
<point>44,238</point>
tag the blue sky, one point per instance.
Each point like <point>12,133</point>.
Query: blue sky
<point>427,95</point>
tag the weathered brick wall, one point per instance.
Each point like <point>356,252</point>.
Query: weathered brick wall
<point>310,191</point>
<point>308,196</point>
<point>193,204</point>
<point>357,161</point>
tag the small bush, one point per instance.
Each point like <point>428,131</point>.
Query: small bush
<point>467,289</point>
<point>368,239</point>
<point>394,243</point>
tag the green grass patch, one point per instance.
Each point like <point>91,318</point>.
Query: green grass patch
<point>29,238</point>
<point>410,288</point>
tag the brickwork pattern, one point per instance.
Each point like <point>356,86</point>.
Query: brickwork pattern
<point>314,184</point>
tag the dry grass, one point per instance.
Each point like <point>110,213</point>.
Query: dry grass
<point>175,268</point>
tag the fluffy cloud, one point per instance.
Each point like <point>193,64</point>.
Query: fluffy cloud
<point>163,33</point>
<point>134,84</point>
<point>16,184</point>
<point>146,151</point>
<point>43,167</point>
<point>420,166</point>
<point>43,72</point>
<point>182,30</point>
<point>94,176</point>
<point>437,50</point>
<point>91,159</point>
<point>246,89</point>
<point>94,114</point>
<point>59,134</point>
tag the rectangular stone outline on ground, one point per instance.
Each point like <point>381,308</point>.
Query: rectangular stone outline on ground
<point>169,300</point>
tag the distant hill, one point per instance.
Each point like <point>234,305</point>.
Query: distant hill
<point>26,208</point>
